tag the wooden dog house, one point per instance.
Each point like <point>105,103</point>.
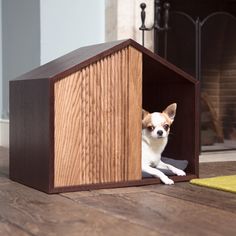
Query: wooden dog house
<point>75,122</point>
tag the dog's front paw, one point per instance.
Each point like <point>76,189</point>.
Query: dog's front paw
<point>180,173</point>
<point>167,180</point>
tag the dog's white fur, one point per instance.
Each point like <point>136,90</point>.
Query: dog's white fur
<point>154,139</point>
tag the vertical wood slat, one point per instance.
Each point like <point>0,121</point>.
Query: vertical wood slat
<point>115,117</point>
<point>103,143</point>
<point>119,118</point>
<point>83,117</point>
<point>97,158</point>
<point>97,127</point>
<point>126,110</point>
<point>135,111</point>
<point>91,155</point>
<point>112,121</point>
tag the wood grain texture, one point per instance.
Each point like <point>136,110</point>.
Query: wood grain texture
<point>205,196</point>
<point>135,110</point>
<point>25,209</point>
<point>97,122</point>
<point>8,228</point>
<point>182,209</point>
<point>27,212</point>
<point>163,211</point>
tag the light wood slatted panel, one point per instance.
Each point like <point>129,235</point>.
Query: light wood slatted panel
<point>134,109</point>
<point>98,122</point>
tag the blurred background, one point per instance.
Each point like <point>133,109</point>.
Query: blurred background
<point>196,35</point>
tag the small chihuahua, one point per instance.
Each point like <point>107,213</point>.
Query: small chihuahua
<point>155,131</point>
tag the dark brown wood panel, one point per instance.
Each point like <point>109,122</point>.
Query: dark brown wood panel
<point>30,143</point>
<point>82,57</point>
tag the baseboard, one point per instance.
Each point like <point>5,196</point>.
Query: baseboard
<point>4,133</point>
<point>219,156</point>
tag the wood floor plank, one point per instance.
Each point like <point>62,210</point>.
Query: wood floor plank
<point>8,229</point>
<point>217,169</point>
<point>169,215</point>
<point>42,214</point>
<point>115,191</point>
<point>182,209</point>
<point>205,196</point>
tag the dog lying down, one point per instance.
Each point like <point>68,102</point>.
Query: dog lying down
<point>155,131</point>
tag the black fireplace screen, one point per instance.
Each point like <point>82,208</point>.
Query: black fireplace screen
<point>206,49</point>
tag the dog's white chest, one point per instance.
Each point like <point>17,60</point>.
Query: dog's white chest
<point>151,152</point>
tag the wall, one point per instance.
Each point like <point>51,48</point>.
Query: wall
<point>2,123</point>
<point>68,25</point>
<point>37,31</point>
<point>123,20</point>
<point>1,60</point>
<point>20,41</point>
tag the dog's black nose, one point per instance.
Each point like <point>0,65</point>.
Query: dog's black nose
<point>160,132</point>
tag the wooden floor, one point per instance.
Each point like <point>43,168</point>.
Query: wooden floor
<point>182,209</point>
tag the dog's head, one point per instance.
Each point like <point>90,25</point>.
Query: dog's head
<point>157,124</point>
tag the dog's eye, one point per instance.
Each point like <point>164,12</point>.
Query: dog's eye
<point>151,128</point>
<point>166,127</point>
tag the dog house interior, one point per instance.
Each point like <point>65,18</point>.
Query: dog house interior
<point>164,84</point>
<point>88,107</point>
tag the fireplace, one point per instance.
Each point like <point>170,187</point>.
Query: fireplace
<point>199,37</point>
<point>218,76</point>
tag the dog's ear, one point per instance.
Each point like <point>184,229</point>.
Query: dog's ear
<point>144,113</point>
<point>170,111</point>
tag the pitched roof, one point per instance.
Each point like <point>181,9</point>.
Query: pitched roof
<point>77,59</point>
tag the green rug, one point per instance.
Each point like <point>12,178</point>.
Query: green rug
<point>224,183</point>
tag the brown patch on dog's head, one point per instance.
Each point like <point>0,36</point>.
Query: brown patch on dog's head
<point>144,113</point>
<point>146,119</point>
